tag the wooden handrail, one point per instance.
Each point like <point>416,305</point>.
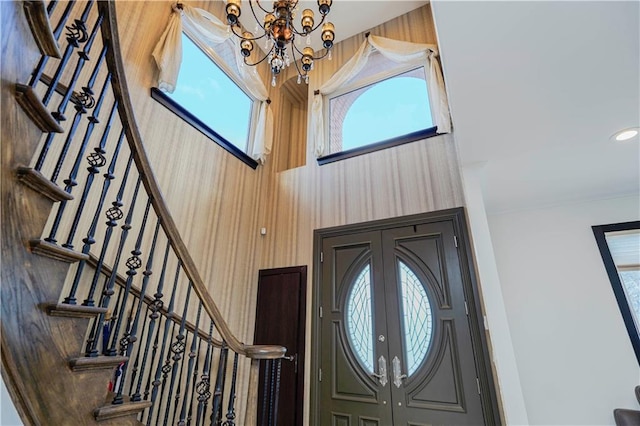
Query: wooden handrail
<point>125,111</point>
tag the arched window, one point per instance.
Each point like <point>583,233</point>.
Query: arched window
<point>384,102</point>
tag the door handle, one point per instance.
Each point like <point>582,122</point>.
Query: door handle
<point>397,372</point>
<point>382,371</point>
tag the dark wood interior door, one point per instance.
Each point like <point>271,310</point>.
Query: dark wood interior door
<point>280,320</point>
<point>395,337</point>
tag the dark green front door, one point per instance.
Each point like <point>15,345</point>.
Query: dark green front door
<point>394,336</point>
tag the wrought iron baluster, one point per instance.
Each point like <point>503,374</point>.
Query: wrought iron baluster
<point>93,119</point>
<point>274,398</point>
<point>147,388</point>
<point>83,56</point>
<point>139,353</point>
<point>76,34</point>
<point>155,306</point>
<point>132,338</point>
<point>161,368</point>
<point>266,413</point>
<point>179,388</point>
<point>37,72</point>
<point>51,7</point>
<point>113,214</point>
<point>133,263</point>
<point>178,349</point>
<point>192,355</point>
<point>86,101</point>
<point>98,158</point>
<point>95,159</point>
<point>166,369</point>
<point>231,411</point>
<point>203,388</point>
<point>216,412</point>
<point>111,319</point>
<point>195,379</point>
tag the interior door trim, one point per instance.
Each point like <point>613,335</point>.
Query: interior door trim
<point>457,216</point>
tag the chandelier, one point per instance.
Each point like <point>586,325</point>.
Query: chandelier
<point>279,32</point>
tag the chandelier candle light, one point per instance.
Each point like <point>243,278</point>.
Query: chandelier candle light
<point>279,32</point>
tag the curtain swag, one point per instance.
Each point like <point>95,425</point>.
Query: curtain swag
<point>210,31</point>
<point>401,52</point>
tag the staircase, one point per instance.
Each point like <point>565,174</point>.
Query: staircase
<point>105,318</point>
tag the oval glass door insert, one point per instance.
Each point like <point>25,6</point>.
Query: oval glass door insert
<point>417,318</point>
<point>359,318</point>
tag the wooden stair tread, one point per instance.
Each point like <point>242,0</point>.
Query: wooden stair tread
<point>96,362</point>
<point>35,109</point>
<point>111,411</point>
<point>73,311</point>
<point>39,183</point>
<point>36,14</point>
<point>54,251</point>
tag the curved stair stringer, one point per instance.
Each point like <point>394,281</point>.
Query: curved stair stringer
<point>33,343</point>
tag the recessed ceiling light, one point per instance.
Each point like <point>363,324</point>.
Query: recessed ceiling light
<point>626,134</point>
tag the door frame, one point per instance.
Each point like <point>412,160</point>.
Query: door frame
<point>479,340</point>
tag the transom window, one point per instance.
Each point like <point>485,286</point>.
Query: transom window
<point>382,103</point>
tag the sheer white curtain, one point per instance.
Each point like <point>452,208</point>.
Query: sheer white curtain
<point>209,30</point>
<point>401,52</point>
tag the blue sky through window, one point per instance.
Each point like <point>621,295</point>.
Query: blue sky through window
<point>390,108</point>
<point>208,93</point>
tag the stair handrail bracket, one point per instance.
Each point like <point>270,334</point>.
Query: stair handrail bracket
<point>140,158</point>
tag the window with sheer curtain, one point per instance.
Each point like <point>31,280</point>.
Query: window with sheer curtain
<point>383,102</point>
<point>207,90</point>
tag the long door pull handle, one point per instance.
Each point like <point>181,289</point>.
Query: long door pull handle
<point>397,372</point>
<point>382,371</point>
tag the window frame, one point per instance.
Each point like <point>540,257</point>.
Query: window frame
<point>599,233</point>
<point>384,144</point>
<point>190,118</point>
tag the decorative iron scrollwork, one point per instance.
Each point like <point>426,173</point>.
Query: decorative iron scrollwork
<point>86,99</point>
<point>134,262</point>
<point>203,390</point>
<point>77,33</point>
<point>96,159</point>
<point>114,214</point>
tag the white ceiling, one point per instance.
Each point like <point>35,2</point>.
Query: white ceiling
<point>537,89</point>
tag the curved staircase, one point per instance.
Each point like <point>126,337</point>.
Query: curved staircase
<point>105,318</point>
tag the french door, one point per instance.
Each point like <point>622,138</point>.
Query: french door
<point>395,341</point>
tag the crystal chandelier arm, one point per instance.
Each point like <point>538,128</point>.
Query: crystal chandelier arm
<point>261,60</point>
<point>245,38</point>
<point>295,61</point>
<point>314,58</point>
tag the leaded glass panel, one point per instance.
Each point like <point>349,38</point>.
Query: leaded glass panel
<point>360,320</point>
<point>417,318</point>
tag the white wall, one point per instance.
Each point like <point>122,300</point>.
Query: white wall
<point>573,354</point>
<point>8,414</point>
